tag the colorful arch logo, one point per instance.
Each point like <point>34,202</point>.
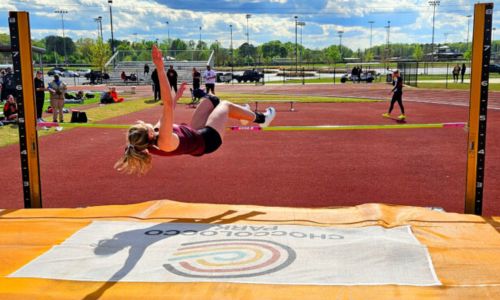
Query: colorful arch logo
<point>229,258</point>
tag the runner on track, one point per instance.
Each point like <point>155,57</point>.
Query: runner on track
<point>204,135</point>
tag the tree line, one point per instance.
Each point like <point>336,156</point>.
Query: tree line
<point>96,52</point>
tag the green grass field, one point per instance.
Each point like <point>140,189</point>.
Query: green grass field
<point>9,133</point>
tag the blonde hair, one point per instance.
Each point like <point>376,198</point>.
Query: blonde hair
<point>136,159</point>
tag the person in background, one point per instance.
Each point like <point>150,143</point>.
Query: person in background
<point>196,79</point>
<point>172,78</point>
<point>156,85</point>
<point>209,76</point>
<point>9,84</point>
<point>455,72</point>
<point>146,70</point>
<point>397,95</point>
<point>39,95</point>
<point>57,88</point>
<point>114,95</point>
<point>10,109</point>
<point>462,71</point>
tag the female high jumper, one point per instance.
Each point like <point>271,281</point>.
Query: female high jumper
<point>204,135</point>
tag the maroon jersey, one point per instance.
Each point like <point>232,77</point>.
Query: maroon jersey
<point>190,142</point>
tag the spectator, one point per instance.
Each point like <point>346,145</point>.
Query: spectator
<point>124,76</point>
<point>92,77</point>
<point>8,85</point>
<point>156,85</point>
<point>39,95</point>
<point>172,78</point>
<point>462,71</point>
<point>2,74</point>
<point>106,97</point>
<point>146,70</point>
<point>456,71</point>
<point>57,89</point>
<point>114,95</point>
<point>10,109</point>
<point>209,76</point>
<point>354,74</point>
<point>196,79</point>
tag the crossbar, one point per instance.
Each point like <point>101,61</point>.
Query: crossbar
<point>279,128</point>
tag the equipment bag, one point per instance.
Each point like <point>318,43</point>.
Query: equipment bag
<point>78,116</point>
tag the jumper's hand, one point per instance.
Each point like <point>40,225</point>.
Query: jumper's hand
<point>157,56</point>
<point>182,88</point>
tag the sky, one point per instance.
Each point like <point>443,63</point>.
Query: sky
<point>135,20</point>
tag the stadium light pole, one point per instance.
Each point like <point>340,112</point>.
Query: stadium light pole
<point>110,2</point>
<point>168,31</point>
<point>168,37</point>
<point>98,20</point>
<point>248,16</point>
<point>232,58</point>
<point>371,32</point>
<point>446,34</point>
<point>62,12</point>
<point>433,3</point>
<point>301,24</point>
<point>388,45</point>
<point>468,26</point>
<point>340,32</point>
<point>296,47</point>
<point>199,41</point>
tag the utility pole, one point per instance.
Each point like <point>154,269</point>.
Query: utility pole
<point>62,12</point>
<point>433,3</point>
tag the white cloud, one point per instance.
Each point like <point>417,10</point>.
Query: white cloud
<point>147,18</point>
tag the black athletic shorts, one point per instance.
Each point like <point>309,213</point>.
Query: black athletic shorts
<point>214,99</point>
<point>212,139</point>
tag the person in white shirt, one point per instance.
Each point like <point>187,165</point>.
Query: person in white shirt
<point>209,76</point>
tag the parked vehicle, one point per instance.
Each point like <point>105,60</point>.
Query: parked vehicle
<point>56,71</point>
<point>365,76</point>
<point>70,73</point>
<point>494,68</point>
<point>224,77</point>
<point>96,76</point>
<point>249,75</point>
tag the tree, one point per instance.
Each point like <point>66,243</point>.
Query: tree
<point>368,56</point>
<point>418,53</point>
<point>101,52</point>
<point>332,54</point>
<point>57,44</point>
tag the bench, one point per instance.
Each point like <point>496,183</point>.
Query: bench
<point>275,101</point>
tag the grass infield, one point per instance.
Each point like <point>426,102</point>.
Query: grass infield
<point>9,134</point>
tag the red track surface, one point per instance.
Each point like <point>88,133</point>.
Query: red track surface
<point>422,167</point>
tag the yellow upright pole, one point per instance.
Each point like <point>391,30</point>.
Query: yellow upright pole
<point>22,61</point>
<point>478,106</point>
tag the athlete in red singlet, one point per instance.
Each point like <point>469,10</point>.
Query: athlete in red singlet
<point>204,135</point>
